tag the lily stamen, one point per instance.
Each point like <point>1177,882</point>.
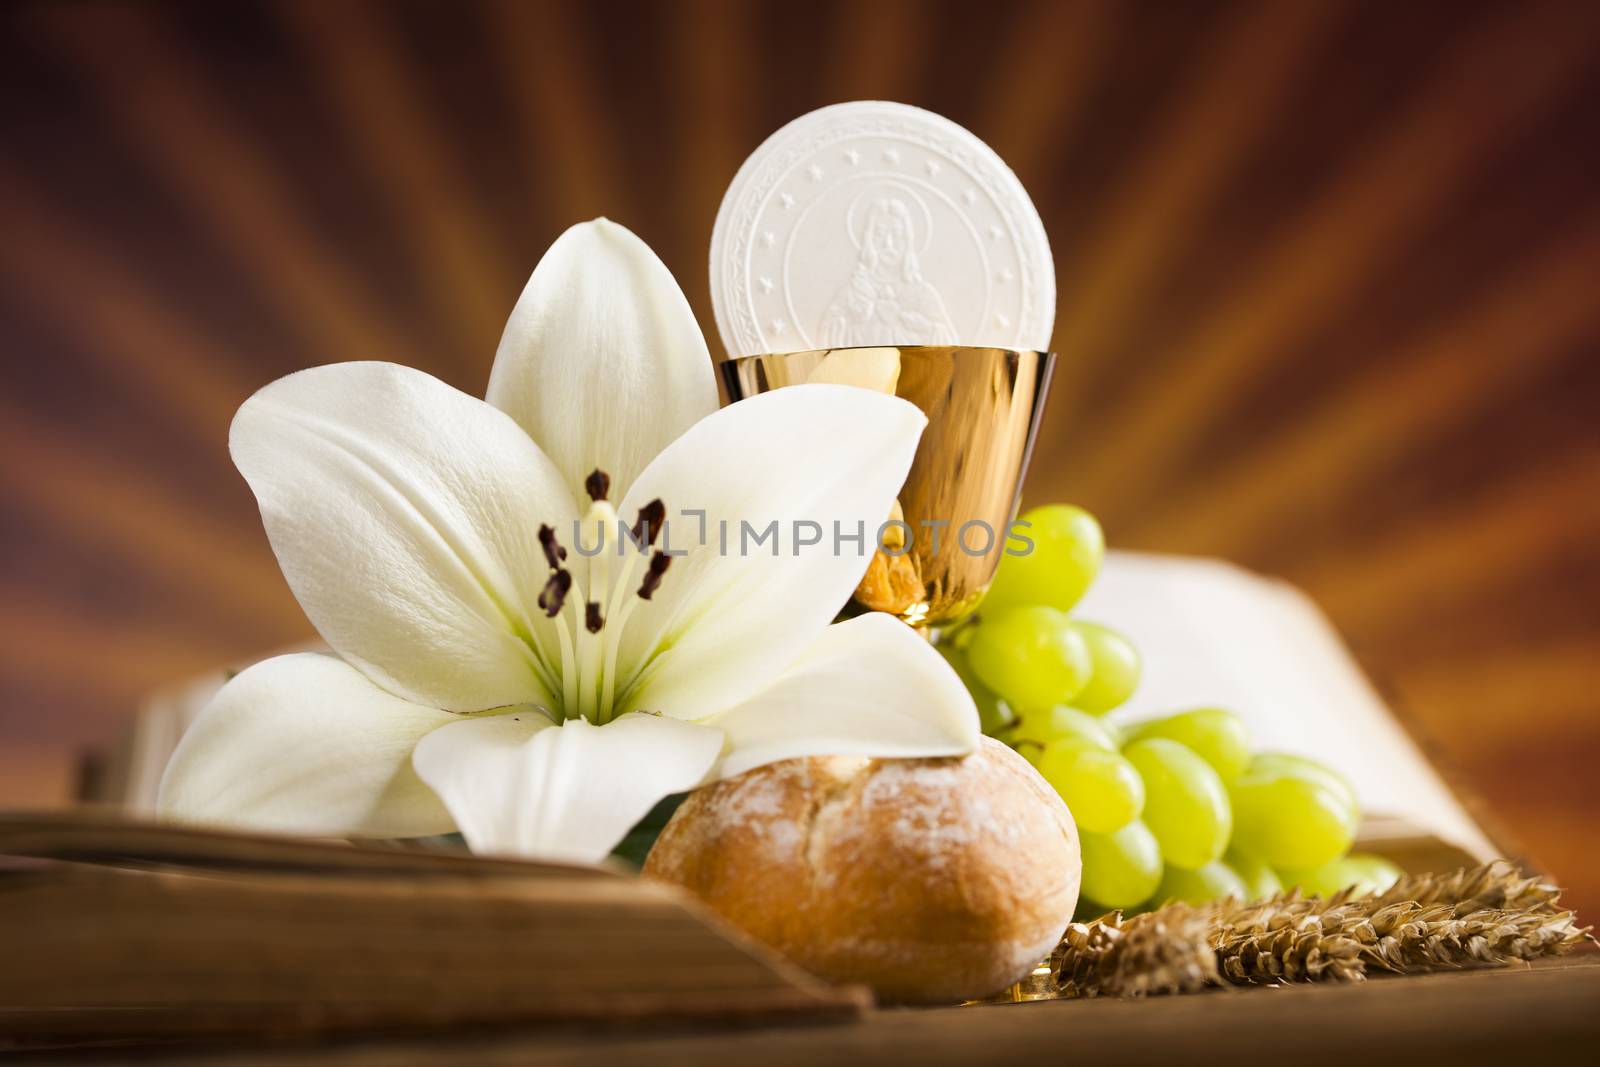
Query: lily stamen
<point>555,592</point>
<point>554,554</point>
<point>592,619</point>
<point>652,578</point>
<point>597,484</point>
<point>647,527</point>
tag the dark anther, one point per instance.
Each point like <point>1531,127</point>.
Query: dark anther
<point>591,617</point>
<point>647,527</point>
<point>553,552</point>
<point>652,579</point>
<point>598,484</point>
<point>555,593</point>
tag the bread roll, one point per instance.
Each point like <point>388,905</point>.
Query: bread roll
<point>930,880</point>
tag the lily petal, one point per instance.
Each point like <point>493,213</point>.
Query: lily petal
<point>519,786</point>
<point>305,744</point>
<point>405,517</point>
<point>602,361</point>
<point>811,459</point>
<point>867,687</point>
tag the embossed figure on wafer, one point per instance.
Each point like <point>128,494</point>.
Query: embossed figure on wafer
<point>886,298</point>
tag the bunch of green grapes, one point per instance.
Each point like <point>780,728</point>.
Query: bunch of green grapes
<point>1176,808</point>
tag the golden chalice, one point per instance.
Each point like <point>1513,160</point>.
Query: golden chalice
<point>941,547</point>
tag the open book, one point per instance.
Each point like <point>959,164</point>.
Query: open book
<point>1210,633</point>
<point>124,930</point>
<point>1213,634</point>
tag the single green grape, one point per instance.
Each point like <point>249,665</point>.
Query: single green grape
<point>1306,767</point>
<point>1122,868</point>
<point>993,713</point>
<point>1114,668</point>
<point>1217,736</point>
<point>1363,871</point>
<point>1292,813</point>
<point>1102,790</point>
<point>1067,547</point>
<point>1260,880</point>
<point>1206,883</point>
<point>1030,656</point>
<point>1186,805</point>
<point>1062,723</point>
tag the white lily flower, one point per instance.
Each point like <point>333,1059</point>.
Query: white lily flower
<point>493,680</point>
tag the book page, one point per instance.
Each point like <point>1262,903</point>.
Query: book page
<point>1213,634</point>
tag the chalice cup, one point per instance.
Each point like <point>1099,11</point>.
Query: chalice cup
<point>939,548</point>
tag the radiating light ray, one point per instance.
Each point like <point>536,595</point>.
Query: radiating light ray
<point>1041,81</point>
<point>876,50</point>
<point>186,136</point>
<point>1490,698</point>
<point>104,657</point>
<point>129,515</point>
<point>468,274</point>
<point>1527,319</point>
<point>712,60</point>
<point>1439,565</point>
<point>555,90</point>
<point>1240,82</point>
<point>139,337</point>
<point>1482,90</point>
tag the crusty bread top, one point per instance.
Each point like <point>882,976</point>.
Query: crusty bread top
<point>892,872</point>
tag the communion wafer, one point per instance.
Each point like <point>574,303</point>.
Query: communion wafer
<point>875,223</point>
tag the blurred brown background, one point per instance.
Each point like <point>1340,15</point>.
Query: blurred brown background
<point>1329,299</point>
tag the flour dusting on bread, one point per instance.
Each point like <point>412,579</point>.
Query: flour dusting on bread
<point>927,879</point>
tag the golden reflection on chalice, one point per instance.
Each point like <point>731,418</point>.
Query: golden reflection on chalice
<point>948,529</point>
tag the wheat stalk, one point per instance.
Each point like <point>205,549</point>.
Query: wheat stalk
<point>1288,939</point>
<point>1497,885</point>
<point>1475,917</point>
<point>1164,951</point>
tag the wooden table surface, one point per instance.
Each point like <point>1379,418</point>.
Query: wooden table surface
<point>1546,1014</point>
